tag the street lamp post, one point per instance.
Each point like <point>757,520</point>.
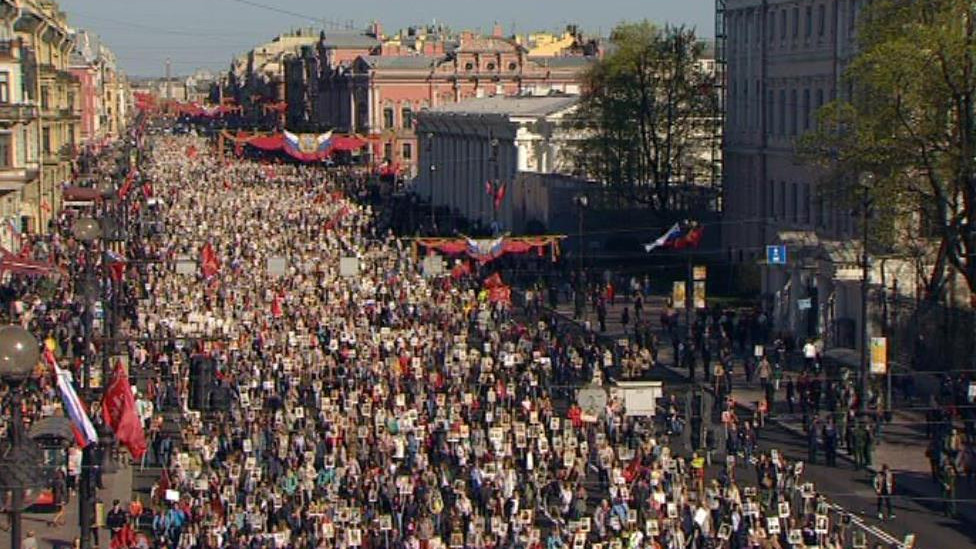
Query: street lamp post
<point>582,202</point>
<point>87,230</point>
<point>865,273</point>
<point>20,458</point>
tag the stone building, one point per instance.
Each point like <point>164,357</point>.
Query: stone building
<point>40,121</point>
<point>466,146</point>
<point>379,96</point>
<point>785,60</point>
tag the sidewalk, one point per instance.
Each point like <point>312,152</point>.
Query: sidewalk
<point>117,486</point>
<point>902,445</point>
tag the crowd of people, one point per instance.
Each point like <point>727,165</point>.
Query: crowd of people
<point>326,394</point>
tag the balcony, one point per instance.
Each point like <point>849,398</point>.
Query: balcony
<point>7,48</point>
<point>12,112</point>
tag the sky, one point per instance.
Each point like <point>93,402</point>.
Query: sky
<point>209,33</point>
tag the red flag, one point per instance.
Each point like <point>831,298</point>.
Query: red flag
<point>493,281</point>
<point>147,190</point>
<point>690,240</point>
<point>208,261</point>
<point>488,189</point>
<point>127,186</point>
<point>119,413</point>
<point>276,310</point>
<point>191,152</point>
<point>500,195</point>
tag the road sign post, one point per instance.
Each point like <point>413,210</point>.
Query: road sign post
<point>776,254</point>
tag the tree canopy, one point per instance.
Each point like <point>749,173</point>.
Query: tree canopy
<point>648,112</point>
<point>908,121</point>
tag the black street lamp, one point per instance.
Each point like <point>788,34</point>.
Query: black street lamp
<point>20,458</point>
<point>88,230</point>
<point>582,202</point>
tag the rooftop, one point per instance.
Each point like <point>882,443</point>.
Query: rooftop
<point>530,105</point>
<point>401,62</point>
<point>348,39</point>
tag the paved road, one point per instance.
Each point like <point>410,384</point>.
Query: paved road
<point>117,486</point>
<point>843,486</point>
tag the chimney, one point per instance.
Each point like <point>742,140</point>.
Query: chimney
<point>496,31</point>
<point>376,29</point>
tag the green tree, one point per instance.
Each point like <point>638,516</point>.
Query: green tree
<point>908,120</point>
<point>648,111</point>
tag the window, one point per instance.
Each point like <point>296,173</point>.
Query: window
<point>512,66</point>
<point>772,27</point>
<point>468,66</point>
<point>782,25</point>
<point>782,113</point>
<point>4,87</point>
<point>795,214</point>
<point>388,117</point>
<point>490,66</point>
<point>793,110</point>
<point>770,109</point>
<point>819,102</point>
<point>782,199</point>
<point>806,109</point>
<point>46,140</point>
<point>745,99</point>
<point>406,117</point>
<point>388,152</point>
<point>45,99</point>
<point>796,22</point>
<point>821,19</point>
<point>758,111</point>
<point>808,23</point>
<point>6,150</point>
<point>407,151</point>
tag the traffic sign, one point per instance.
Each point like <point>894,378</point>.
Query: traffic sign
<point>776,255</point>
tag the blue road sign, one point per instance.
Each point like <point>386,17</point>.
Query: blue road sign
<point>776,255</point>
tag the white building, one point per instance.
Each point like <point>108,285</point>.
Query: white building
<point>463,146</point>
<point>785,59</point>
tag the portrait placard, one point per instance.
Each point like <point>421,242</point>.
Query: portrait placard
<point>772,526</point>
<point>783,509</point>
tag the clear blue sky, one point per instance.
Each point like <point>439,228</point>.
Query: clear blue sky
<point>208,33</point>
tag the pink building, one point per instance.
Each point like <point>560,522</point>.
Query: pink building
<point>88,76</point>
<point>378,96</point>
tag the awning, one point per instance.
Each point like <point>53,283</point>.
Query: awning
<point>20,265</point>
<point>80,194</point>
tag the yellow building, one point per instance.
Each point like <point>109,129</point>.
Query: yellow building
<point>39,114</point>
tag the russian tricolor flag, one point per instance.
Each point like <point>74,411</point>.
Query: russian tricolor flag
<point>84,430</point>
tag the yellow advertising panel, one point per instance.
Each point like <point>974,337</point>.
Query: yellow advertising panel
<point>678,294</point>
<point>879,355</point>
<point>699,294</point>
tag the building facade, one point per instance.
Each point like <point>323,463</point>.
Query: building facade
<point>380,96</point>
<point>469,145</point>
<point>41,124</point>
<point>785,60</point>
<point>103,90</point>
